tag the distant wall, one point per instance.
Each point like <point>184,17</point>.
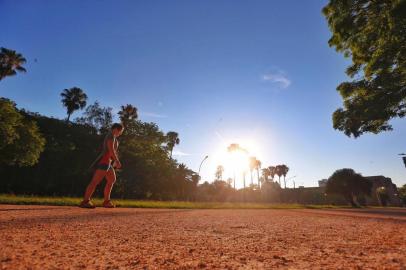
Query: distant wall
<point>310,195</point>
<point>316,195</point>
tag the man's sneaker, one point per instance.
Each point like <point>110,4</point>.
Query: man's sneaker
<point>108,204</point>
<point>87,204</point>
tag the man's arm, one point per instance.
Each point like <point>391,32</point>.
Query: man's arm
<point>112,150</point>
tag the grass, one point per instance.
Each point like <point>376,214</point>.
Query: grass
<point>69,201</point>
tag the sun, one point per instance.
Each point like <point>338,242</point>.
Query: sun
<point>236,162</point>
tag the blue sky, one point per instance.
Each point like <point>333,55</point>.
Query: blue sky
<point>258,73</point>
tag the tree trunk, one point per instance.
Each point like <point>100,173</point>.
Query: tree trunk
<point>67,119</point>
<point>284,181</point>
<point>243,191</point>
<point>252,179</point>
<point>351,199</point>
<point>259,184</point>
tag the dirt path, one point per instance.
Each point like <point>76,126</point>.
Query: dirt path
<point>47,237</point>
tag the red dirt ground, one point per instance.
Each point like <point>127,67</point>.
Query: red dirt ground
<point>49,237</point>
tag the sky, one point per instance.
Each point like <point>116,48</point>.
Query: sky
<point>259,73</point>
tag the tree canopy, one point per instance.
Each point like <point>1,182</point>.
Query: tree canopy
<point>101,118</point>
<point>10,63</point>
<point>127,114</point>
<point>73,99</point>
<point>21,143</point>
<point>402,194</point>
<point>172,140</point>
<point>349,184</point>
<point>219,173</point>
<point>373,34</point>
<point>63,167</point>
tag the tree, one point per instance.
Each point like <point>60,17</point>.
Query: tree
<point>252,165</point>
<point>233,148</point>
<point>258,167</point>
<point>10,63</point>
<point>73,99</point>
<point>244,173</point>
<point>382,195</point>
<point>349,184</point>
<point>272,171</point>
<point>183,181</point>
<point>271,192</point>
<point>127,113</point>
<point>265,174</point>
<point>63,167</point>
<point>149,173</point>
<point>284,170</point>
<point>402,194</point>
<point>219,173</point>
<point>219,191</point>
<point>229,181</point>
<point>373,34</point>
<point>21,143</point>
<point>172,140</point>
<point>98,117</point>
<point>279,172</point>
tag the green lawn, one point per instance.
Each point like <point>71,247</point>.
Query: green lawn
<point>69,201</point>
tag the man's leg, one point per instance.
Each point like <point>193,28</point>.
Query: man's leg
<point>111,179</point>
<point>97,177</point>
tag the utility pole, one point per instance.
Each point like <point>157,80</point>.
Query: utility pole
<point>293,181</point>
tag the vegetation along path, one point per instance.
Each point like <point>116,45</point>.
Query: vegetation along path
<point>52,237</point>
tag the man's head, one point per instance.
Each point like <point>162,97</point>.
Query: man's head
<point>117,129</point>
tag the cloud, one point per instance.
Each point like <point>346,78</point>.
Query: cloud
<point>278,78</point>
<point>153,115</point>
<point>179,153</point>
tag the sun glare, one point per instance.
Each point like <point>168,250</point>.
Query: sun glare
<point>238,161</point>
<point>235,162</point>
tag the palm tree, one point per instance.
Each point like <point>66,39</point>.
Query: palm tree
<point>284,171</point>
<point>73,99</point>
<point>265,173</point>
<point>172,140</point>
<point>279,173</point>
<point>233,148</point>
<point>127,113</point>
<point>244,173</point>
<point>195,179</point>
<point>258,167</point>
<point>182,173</point>
<point>272,171</point>
<point>252,165</point>
<point>219,172</point>
<point>10,63</point>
